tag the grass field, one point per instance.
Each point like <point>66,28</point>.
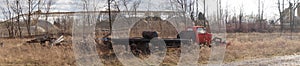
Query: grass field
<point>261,45</point>
<point>244,46</point>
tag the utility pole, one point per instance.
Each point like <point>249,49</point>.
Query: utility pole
<point>197,6</point>
<point>281,24</point>
<point>204,9</point>
<point>18,18</point>
<point>258,9</point>
<point>259,15</point>
<point>109,16</point>
<point>29,18</point>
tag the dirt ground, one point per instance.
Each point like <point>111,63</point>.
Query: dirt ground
<point>245,46</point>
<point>288,60</point>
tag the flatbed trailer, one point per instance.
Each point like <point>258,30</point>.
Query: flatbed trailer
<point>170,42</point>
<point>140,45</point>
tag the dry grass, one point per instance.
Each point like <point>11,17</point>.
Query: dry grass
<point>15,53</point>
<point>244,46</point>
<point>261,45</point>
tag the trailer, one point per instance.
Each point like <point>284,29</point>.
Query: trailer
<point>192,35</point>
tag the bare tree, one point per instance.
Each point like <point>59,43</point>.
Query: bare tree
<point>234,18</point>
<point>85,5</point>
<point>89,5</point>
<point>136,5</point>
<point>188,6</point>
<point>48,5</point>
<point>241,18</point>
<point>280,10</point>
<point>115,4</point>
<point>32,4</point>
<point>129,5</point>
<point>260,14</point>
<point>293,6</point>
<point>125,4</point>
<point>7,12</point>
<point>17,10</point>
<point>226,14</point>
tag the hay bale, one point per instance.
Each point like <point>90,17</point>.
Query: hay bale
<point>164,28</point>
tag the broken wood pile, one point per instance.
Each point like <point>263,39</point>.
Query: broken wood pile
<point>42,40</point>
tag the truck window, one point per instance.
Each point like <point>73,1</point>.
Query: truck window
<point>201,30</point>
<point>190,29</point>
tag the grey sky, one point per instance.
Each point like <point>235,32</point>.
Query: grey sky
<point>248,6</point>
<point>251,7</point>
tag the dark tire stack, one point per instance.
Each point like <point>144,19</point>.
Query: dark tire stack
<point>149,34</point>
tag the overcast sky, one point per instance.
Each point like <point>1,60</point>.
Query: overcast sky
<point>251,7</point>
<point>248,6</point>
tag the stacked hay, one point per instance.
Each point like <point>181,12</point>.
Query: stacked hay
<point>164,28</point>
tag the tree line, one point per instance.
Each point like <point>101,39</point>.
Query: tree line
<point>18,11</point>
